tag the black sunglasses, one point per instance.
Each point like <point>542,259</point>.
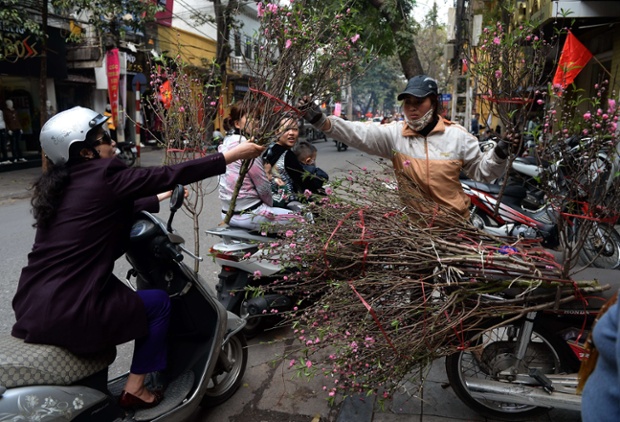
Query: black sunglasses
<point>103,139</point>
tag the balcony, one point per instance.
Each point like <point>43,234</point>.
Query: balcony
<point>546,10</point>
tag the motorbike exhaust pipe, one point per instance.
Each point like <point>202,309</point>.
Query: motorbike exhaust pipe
<point>521,394</point>
<point>267,304</point>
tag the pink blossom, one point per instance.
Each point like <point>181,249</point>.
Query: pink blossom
<point>289,233</point>
<point>540,102</point>
<point>498,74</point>
<point>257,274</point>
<point>612,106</point>
<point>307,193</point>
<point>288,44</point>
<point>181,109</point>
<point>308,364</point>
<point>332,393</point>
<point>587,115</point>
<point>496,41</point>
<point>291,363</point>
<point>259,9</point>
<point>354,38</point>
<point>273,8</point>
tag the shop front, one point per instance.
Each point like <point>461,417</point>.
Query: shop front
<point>20,85</point>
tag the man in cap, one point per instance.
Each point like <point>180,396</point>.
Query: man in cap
<point>427,151</point>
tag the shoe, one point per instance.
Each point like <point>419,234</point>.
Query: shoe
<point>22,160</point>
<point>129,401</point>
<point>5,162</point>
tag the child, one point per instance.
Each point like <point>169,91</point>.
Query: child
<point>306,154</point>
<point>281,191</point>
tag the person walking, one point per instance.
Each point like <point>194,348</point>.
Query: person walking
<point>14,130</point>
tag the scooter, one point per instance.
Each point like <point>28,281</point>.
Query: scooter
<point>514,370</point>
<point>207,352</point>
<point>127,151</point>
<point>245,265</point>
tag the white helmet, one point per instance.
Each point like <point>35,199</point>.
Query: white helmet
<point>65,128</point>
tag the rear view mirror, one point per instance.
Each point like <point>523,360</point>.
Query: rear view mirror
<point>176,200</point>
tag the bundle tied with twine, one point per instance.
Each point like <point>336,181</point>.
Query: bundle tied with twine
<point>383,292</point>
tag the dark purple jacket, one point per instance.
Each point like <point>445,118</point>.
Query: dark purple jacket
<point>67,295</point>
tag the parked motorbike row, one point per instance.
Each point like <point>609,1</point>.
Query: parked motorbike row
<point>525,211</point>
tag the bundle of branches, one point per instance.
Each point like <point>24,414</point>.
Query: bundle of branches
<point>383,292</point>
<point>304,51</point>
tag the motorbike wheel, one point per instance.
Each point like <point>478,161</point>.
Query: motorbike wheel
<point>495,355</point>
<point>226,378</point>
<point>253,327</point>
<point>128,157</point>
<point>601,249</point>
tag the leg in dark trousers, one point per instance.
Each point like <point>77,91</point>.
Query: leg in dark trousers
<point>150,352</point>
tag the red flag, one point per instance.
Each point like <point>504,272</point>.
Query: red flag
<point>574,57</point>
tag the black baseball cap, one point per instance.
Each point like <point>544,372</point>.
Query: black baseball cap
<point>419,86</point>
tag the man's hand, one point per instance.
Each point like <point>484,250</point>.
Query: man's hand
<point>503,149</point>
<point>311,112</point>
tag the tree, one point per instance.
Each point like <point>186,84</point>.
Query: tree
<point>430,41</point>
<point>377,88</point>
<point>401,27</point>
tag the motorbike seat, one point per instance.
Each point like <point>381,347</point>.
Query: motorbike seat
<point>513,191</point>
<point>23,364</point>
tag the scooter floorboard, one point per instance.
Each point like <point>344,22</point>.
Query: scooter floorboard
<point>175,393</point>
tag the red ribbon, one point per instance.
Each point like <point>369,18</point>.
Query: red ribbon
<point>276,99</point>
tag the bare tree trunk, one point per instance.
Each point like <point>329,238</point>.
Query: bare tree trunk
<point>399,24</point>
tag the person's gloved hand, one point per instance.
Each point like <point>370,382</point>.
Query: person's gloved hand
<point>311,112</point>
<point>503,149</point>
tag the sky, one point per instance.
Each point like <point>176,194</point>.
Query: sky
<point>424,6</point>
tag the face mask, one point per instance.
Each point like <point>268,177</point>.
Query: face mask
<point>419,124</point>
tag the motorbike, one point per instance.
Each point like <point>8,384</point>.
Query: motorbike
<point>515,219</point>
<point>341,146</point>
<point>127,151</point>
<point>514,370</point>
<point>244,266</point>
<point>207,352</point>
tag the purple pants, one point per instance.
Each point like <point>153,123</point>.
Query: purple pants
<point>149,354</point>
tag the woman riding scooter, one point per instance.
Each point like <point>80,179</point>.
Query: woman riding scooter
<point>83,207</point>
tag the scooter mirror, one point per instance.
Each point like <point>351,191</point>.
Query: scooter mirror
<point>176,200</point>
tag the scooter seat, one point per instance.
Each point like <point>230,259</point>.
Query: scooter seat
<point>24,363</point>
